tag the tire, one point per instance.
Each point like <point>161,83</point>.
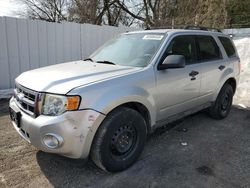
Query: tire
<point>222,106</point>
<point>119,140</point>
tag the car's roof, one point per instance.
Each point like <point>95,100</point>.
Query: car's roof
<point>172,31</point>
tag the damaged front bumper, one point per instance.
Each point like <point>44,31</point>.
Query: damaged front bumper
<point>74,130</point>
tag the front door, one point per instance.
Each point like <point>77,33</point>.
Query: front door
<point>178,89</point>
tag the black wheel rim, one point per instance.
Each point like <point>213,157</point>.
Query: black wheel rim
<point>123,140</point>
<point>226,101</point>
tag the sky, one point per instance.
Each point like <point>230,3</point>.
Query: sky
<point>9,7</point>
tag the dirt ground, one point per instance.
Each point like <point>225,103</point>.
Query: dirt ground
<point>217,154</point>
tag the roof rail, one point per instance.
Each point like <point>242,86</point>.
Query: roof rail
<point>187,27</point>
<point>167,27</point>
<point>191,27</point>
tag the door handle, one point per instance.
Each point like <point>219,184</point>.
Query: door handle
<point>193,73</point>
<point>221,67</point>
<point>193,78</point>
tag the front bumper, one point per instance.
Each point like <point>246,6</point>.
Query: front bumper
<point>77,128</point>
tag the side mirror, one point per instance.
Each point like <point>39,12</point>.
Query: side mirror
<point>173,62</point>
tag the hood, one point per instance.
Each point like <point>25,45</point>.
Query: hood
<point>63,77</point>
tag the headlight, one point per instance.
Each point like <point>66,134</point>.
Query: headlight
<point>57,104</point>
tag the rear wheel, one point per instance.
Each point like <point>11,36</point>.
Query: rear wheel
<point>222,106</point>
<point>119,140</point>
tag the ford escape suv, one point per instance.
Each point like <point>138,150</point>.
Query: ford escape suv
<point>105,106</point>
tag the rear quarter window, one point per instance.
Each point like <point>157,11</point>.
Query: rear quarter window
<point>228,46</point>
<point>208,49</point>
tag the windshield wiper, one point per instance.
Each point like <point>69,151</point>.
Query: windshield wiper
<point>106,62</point>
<point>88,59</point>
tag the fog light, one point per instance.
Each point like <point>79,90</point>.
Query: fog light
<point>52,140</point>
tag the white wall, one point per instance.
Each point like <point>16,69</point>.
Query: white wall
<point>29,44</point>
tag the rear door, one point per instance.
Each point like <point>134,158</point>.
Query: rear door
<point>212,65</point>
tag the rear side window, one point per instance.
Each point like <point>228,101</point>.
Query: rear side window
<point>207,48</point>
<point>228,46</point>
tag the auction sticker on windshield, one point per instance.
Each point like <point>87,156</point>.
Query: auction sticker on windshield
<point>153,37</point>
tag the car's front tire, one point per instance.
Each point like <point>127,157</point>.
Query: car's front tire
<point>222,106</point>
<point>119,140</point>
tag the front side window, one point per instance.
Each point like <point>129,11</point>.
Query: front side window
<point>183,45</point>
<point>228,46</point>
<point>130,49</point>
<point>207,48</point>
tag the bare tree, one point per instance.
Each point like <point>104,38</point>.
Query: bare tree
<point>88,11</point>
<point>153,13</point>
<point>83,11</point>
<point>143,13</point>
<point>158,13</point>
<point>98,12</point>
<point>137,9</point>
<point>115,16</point>
<point>48,10</point>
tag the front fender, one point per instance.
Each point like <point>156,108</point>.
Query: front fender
<point>113,98</point>
<point>121,95</point>
<point>103,96</point>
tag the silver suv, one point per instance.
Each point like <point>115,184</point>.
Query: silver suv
<point>106,105</point>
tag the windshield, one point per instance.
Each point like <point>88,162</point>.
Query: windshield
<point>129,49</point>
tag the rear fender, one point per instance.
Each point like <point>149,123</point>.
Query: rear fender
<point>227,74</point>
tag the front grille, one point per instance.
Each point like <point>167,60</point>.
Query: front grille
<point>26,99</point>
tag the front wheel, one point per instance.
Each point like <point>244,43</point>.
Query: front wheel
<point>222,106</point>
<point>119,140</point>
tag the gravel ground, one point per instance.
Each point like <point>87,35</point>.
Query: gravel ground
<point>217,154</point>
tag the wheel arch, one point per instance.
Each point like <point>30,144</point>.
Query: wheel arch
<point>100,155</point>
<point>231,80</point>
<point>139,107</point>
<point>142,108</point>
